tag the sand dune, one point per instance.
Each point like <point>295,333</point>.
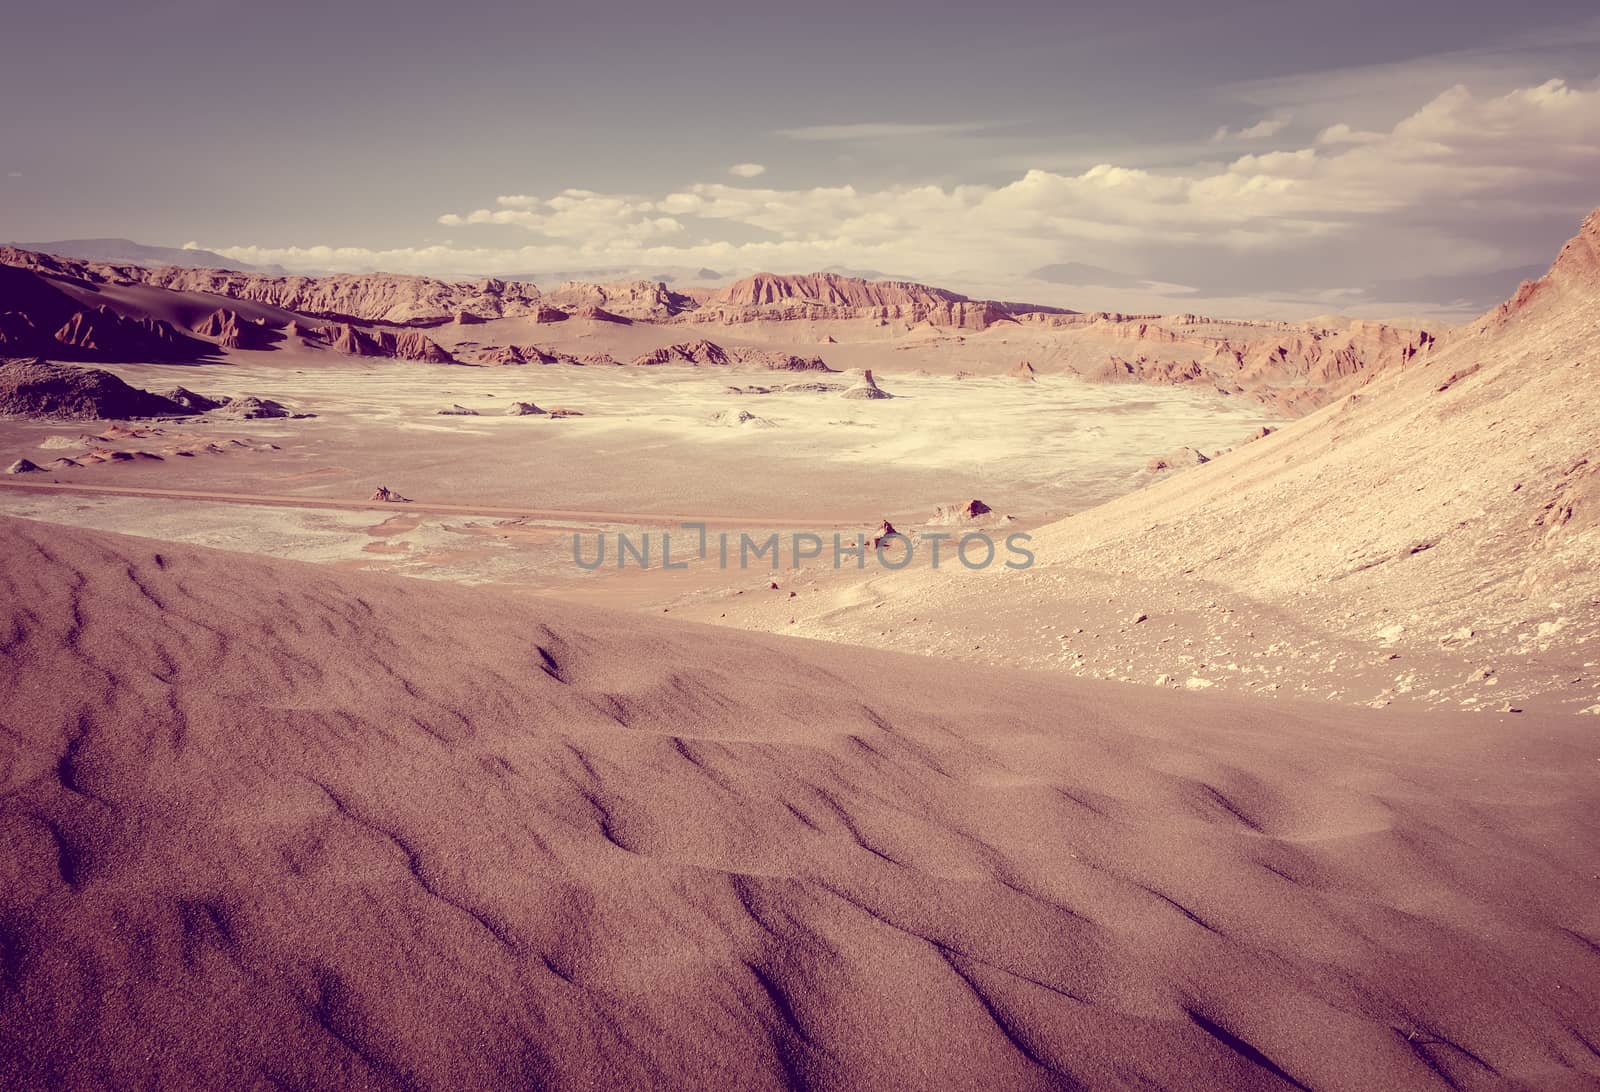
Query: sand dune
<point>266,823</point>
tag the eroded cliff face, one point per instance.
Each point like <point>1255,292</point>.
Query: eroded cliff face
<point>650,300</point>
<point>1293,367</point>
<point>812,296</point>
<point>1573,279</point>
<point>389,298</point>
<point>38,318</point>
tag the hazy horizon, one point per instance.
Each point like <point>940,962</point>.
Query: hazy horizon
<point>1248,160</point>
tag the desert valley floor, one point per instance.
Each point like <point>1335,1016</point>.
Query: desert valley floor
<point>1279,768</point>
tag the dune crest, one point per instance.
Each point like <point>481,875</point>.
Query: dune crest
<point>585,844</point>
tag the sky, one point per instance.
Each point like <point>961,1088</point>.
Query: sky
<point>1240,157</point>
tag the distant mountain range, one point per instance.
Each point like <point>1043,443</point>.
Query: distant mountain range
<point>128,252</point>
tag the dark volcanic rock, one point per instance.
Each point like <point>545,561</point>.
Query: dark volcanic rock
<point>32,388</point>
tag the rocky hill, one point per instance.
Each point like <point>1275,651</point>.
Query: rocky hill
<point>1442,516</point>
<point>57,306</point>
<point>33,388</point>
<point>790,297</point>
<point>630,299</point>
<point>38,318</point>
<point>1294,367</point>
<point>388,298</point>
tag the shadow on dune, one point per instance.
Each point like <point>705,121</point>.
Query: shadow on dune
<point>267,823</point>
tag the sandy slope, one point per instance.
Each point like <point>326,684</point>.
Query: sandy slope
<point>263,823</point>
<point>1446,514</point>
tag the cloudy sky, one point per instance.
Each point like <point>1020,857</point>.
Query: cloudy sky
<point>1371,156</point>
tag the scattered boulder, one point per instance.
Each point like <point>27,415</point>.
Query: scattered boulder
<point>563,412</point>
<point>23,466</point>
<point>457,410</point>
<point>466,318</point>
<point>740,418</point>
<point>961,513</point>
<point>251,408</point>
<point>32,388</point>
<point>866,387</point>
<point>885,529</point>
<point>526,409</point>
<point>194,403</point>
<point>775,360</point>
<point>1024,371</point>
<point>389,496</point>
<point>1180,459</point>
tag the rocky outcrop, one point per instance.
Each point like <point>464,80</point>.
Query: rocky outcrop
<point>228,330</point>
<point>251,408</point>
<point>526,409</point>
<point>831,290</point>
<point>812,296</point>
<point>649,300</point>
<point>345,338</point>
<point>778,361</point>
<point>102,334</point>
<point>1573,279</point>
<point>710,353</point>
<point>600,314</point>
<point>412,345</point>
<point>194,403</point>
<point>32,388</point>
<point>866,387</point>
<point>740,419</point>
<point>389,298</point>
<point>692,352</point>
<point>1292,367</point>
<point>406,345</point>
<point>1180,459</point>
<point>23,466</point>
<point>516,354</point>
<point>971,511</point>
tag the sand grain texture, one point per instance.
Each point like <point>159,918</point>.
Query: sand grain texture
<point>262,822</point>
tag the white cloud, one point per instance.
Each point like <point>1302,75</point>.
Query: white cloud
<point>1415,197</point>
<point>1261,130</point>
<point>1344,134</point>
<point>747,170</point>
<point>575,214</point>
